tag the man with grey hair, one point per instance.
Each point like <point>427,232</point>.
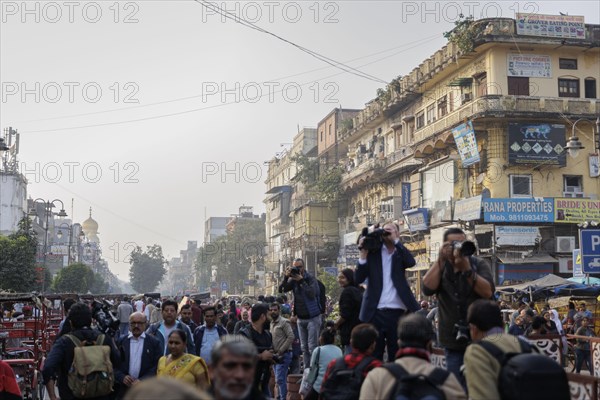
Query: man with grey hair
<point>232,370</point>
<point>415,338</point>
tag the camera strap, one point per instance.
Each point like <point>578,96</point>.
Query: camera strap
<point>461,287</point>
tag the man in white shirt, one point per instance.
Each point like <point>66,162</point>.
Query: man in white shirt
<point>139,305</point>
<point>388,296</point>
<point>140,354</point>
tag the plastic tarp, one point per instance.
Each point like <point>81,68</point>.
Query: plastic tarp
<point>550,286</point>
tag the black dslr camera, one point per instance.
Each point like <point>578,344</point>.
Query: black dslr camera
<point>463,335</point>
<point>465,249</point>
<point>373,240</point>
<point>295,271</point>
<point>107,321</point>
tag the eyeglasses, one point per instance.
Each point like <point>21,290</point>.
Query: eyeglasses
<point>232,365</point>
<point>137,323</point>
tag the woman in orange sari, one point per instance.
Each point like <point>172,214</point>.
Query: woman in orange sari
<point>182,366</point>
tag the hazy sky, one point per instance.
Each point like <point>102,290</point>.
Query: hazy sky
<point>119,104</point>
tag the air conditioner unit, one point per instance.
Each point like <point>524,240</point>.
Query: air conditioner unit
<point>573,194</point>
<point>465,97</point>
<point>565,244</point>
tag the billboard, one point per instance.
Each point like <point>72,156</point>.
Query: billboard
<point>558,26</point>
<point>518,210</point>
<point>536,143</point>
<point>574,211</point>
<point>529,65</point>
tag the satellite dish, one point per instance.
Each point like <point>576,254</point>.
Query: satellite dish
<point>480,178</point>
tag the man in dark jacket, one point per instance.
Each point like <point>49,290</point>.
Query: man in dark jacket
<point>458,281</point>
<point>207,335</point>
<point>61,355</point>
<point>139,354</point>
<point>306,305</point>
<point>388,296</point>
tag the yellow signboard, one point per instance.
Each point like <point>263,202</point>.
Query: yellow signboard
<point>572,211</point>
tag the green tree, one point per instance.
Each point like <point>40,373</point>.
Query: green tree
<point>17,259</point>
<point>77,278</point>
<point>332,287</point>
<point>147,268</point>
<point>232,254</point>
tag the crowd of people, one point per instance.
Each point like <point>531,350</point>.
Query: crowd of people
<point>379,345</point>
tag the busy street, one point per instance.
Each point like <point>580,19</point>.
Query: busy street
<point>299,200</point>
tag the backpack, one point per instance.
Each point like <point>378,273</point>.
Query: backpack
<point>417,386</point>
<point>91,374</point>
<point>529,374</point>
<point>344,383</point>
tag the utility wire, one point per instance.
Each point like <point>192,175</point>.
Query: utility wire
<point>318,56</point>
<point>198,109</point>
<point>419,42</point>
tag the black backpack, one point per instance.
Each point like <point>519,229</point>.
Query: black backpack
<point>344,383</point>
<point>529,374</point>
<point>417,386</point>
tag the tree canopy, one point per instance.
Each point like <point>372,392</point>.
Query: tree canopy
<point>232,254</point>
<point>147,268</point>
<point>78,278</point>
<point>17,259</point>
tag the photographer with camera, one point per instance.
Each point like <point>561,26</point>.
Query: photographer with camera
<point>306,305</point>
<point>383,261</point>
<point>458,279</point>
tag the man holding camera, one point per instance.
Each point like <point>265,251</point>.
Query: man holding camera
<point>306,305</point>
<point>383,261</point>
<point>458,279</point>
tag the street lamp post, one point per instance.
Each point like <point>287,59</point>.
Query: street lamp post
<point>574,146</point>
<point>59,234</point>
<point>48,205</point>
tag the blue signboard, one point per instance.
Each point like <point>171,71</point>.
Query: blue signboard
<point>417,219</point>
<point>589,241</point>
<point>518,210</point>
<point>405,196</point>
<point>224,286</point>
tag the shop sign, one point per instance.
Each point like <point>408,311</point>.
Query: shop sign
<point>558,26</point>
<point>468,209</point>
<point>574,211</point>
<point>517,235</point>
<point>417,219</point>
<point>536,143</point>
<point>518,210</point>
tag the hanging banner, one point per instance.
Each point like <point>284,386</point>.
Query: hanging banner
<point>529,65</point>
<point>535,143</point>
<point>417,219</point>
<point>405,196</point>
<point>558,26</point>
<point>466,143</point>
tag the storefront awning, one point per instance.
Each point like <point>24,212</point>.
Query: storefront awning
<point>516,258</point>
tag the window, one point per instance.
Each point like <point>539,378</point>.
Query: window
<point>321,136</point>
<point>518,86</point>
<point>430,113</point>
<point>520,186</point>
<point>329,129</point>
<point>590,88</point>
<point>481,81</point>
<point>568,87</point>
<point>442,106</point>
<point>567,63</point>
<point>420,120</point>
<point>573,186</point>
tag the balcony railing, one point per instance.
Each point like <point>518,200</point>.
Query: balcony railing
<point>371,164</point>
<point>495,104</point>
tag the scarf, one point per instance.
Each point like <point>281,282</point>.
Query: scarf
<point>414,352</point>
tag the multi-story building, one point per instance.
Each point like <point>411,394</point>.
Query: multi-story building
<point>484,124</point>
<point>215,227</point>
<point>13,195</point>
<point>180,270</point>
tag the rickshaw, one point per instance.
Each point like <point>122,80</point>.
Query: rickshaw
<point>24,343</point>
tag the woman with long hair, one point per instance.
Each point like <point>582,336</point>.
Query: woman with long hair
<point>182,366</point>
<point>349,305</point>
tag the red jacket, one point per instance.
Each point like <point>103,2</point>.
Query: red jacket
<point>352,360</point>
